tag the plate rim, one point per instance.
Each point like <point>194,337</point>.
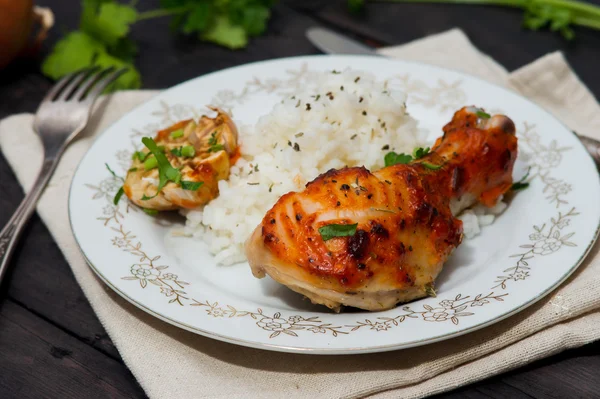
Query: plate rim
<point>328,351</point>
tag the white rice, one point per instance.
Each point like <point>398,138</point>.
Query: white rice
<point>479,216</point>
<point>341,119</point>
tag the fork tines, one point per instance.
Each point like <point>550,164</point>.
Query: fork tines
<point>84,85</point>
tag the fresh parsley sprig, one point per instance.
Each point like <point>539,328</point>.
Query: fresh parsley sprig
<point>392,158</point>
<point>102,38</point>
<point>557,15</point>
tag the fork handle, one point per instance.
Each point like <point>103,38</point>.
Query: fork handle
<point>13,229</point>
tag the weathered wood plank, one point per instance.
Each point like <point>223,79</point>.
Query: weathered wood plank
<point>40,279</point>
<point>574,374</point>
<point>39,360</point>
<point>492,388</point>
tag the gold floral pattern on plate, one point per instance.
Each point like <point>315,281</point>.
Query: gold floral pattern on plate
<point>545,240</point>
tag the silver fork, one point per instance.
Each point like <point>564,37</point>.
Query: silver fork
<point>61,116</point>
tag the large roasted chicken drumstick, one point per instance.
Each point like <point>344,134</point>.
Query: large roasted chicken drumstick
<point>374,239</point>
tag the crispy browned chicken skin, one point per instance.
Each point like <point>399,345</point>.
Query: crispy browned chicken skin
<point>406,229</point>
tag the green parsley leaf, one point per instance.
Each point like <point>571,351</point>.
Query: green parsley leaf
<point>101,41</point>
<point>112,172</point>
<point>519,186</point>
<point>212,142</point>
<point>216,148</point>
<point>129,80</point>
<point>151,212</point>
<point>431,166</point>
<point>420,152</point>
<point>72,53</point>
<point>118,195</point>
<point>337,230</point>
<point>132,170</point>
<point>107,22</point>
<point>198,18</point>
<point>254,19</point>
<point>483,115</point>
<point>224,33</point>
<point>176,151</point>
<point>391,158</point>
<point>125,49</point>
<point>356,6</point>
<point>140,155</point>
<point>191,185</point>
<point>166,172</point>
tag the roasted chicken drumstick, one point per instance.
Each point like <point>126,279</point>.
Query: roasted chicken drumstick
<point>374,239</point>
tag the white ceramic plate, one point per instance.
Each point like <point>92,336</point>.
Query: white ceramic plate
<point>531,248</point>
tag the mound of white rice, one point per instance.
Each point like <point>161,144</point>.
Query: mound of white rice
<point>342,119</point>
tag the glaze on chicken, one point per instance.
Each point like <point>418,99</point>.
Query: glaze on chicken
<point>406,228</point>
<point>215,149</point>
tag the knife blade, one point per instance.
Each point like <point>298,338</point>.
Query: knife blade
<point>333,43</point>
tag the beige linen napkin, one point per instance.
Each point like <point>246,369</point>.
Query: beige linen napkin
<point>170,362</point>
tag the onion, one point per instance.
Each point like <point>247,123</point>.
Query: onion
<point>17,19</point>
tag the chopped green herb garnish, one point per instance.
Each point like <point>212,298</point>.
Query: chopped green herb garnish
<point>483,115</point>
<point>521,184</point>
<point>430,291</point>
<point>146,198</point>
<point>112,173</point>
<point>212,142</point>
<point>132,170</point>
<point>121,191</point>
<point>150,163</point>
<point>177,134</point>
<point>151,212</point>
<point>420,152</point>
<point>391,158</point>
<point>118,195</point>
<point>191,185</point>
<point>140,155</point>
<point>188,151</point>
<point>337,230</point>
<point>166,172</point>
<point>176,151</point>
<point>431,166</point>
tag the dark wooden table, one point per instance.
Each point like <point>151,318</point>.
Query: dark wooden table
<point>52,344</point>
